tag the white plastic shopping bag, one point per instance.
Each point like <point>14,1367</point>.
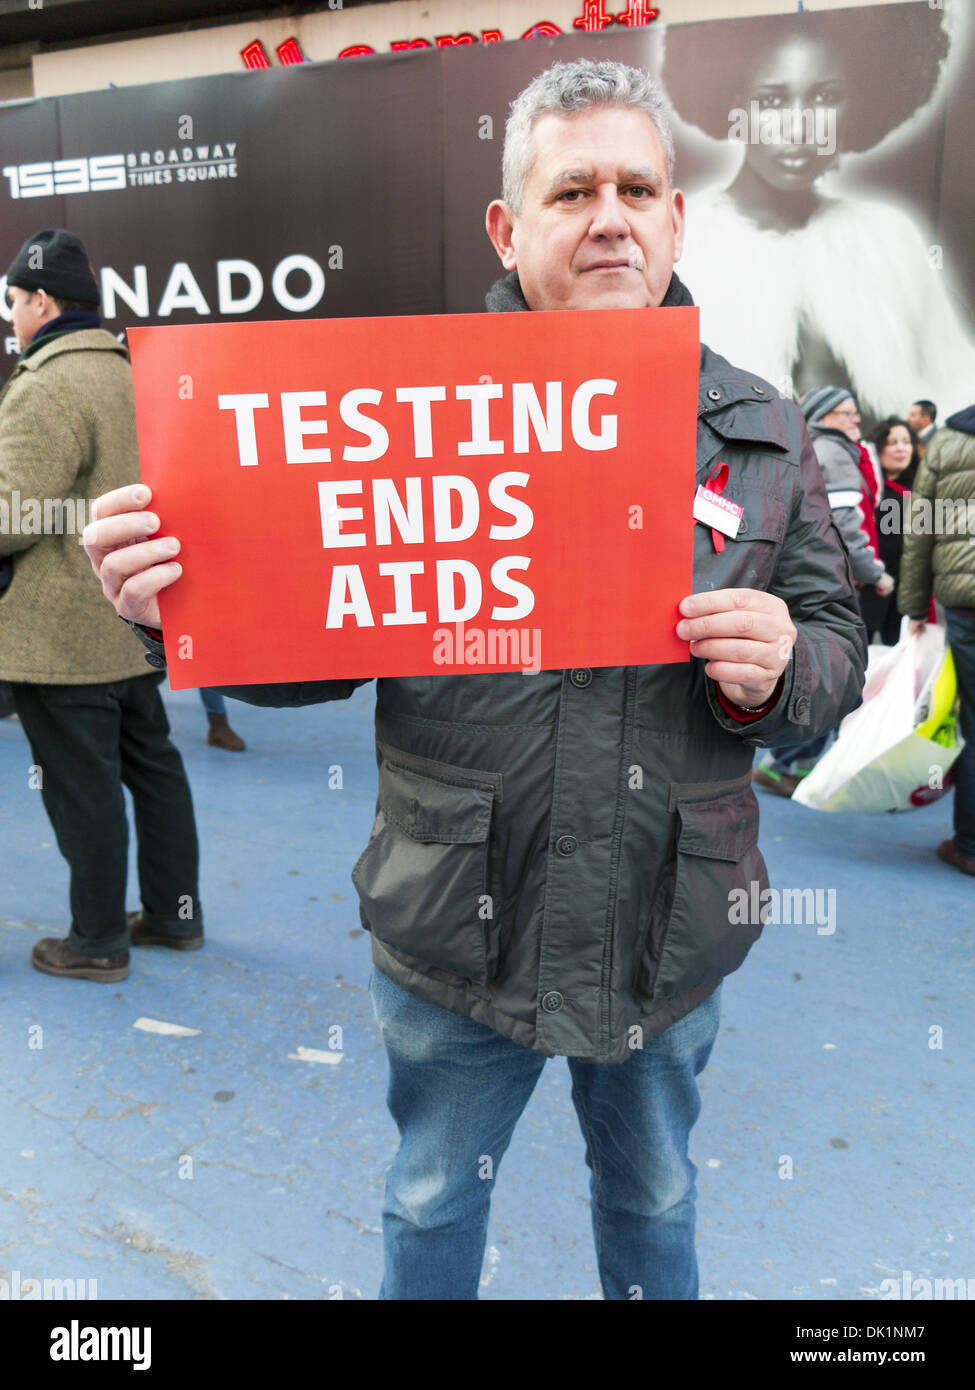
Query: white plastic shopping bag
<point>894,752</point>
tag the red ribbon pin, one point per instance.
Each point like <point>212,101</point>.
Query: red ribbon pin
<point>716,483</point>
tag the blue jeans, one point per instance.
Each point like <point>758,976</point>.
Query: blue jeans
<point>803,755</point>
<point>213,701</point>
<point>456,1091</point>
<point>961,636</point>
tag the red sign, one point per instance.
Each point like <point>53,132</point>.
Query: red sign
<point>421,496</point>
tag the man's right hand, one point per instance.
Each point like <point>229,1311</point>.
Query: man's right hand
<point>885,584</point>
<point>132,563</point>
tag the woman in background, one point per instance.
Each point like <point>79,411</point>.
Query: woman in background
<point>896,446</point>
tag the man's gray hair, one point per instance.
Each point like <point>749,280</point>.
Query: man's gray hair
<point>565,89</point>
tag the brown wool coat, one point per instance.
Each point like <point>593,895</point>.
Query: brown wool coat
<point>67,431</point>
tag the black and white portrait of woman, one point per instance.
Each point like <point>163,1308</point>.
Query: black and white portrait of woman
<point>795,272</point>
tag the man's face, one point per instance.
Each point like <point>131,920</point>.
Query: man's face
<point>917,419</point>
<point>846,417</point>
<point>29,311</point>
<point>22,314</point>
<point>599,227</point>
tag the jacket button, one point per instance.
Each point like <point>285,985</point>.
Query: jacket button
<point>802,705</point>
<point>552,1001</point>
<point>157,661</point>
<point>566,844</point>
<point>714,395</point>
<point>581,677</point>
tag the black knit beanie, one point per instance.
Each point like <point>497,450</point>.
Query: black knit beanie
<point>55,261</point>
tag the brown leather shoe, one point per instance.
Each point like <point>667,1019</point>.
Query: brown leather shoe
<point>947,852</point>
<point>55,957</point>
<point>221,735</point>
<point>143,936</point>
<point>782,783</point>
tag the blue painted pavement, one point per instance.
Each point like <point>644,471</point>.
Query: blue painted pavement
<point>834,1149</point>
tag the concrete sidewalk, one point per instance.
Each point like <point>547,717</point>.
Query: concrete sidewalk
<point>232,1164</point>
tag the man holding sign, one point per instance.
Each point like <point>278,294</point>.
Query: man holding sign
<point>551,864</point>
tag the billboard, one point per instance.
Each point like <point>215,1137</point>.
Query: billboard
<point>835,249</point>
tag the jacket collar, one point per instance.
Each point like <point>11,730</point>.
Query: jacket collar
<point>71,321</point>
<point>506,295</point>
<point>83,340</point>
<point>838,437</point>
<point>831,432</point>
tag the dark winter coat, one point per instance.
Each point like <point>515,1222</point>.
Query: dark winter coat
<point>553,854</point>
<point>839,458</point>
<point>939,555</point>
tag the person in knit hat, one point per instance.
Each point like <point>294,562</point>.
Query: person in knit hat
<point>834,426</point>
<point>91,712</point>
<point>56,262</point>
<point>62,295</point>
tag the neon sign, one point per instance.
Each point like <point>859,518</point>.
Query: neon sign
<point>255,54</point>
<point>290,53</point>
<point>594,18</point>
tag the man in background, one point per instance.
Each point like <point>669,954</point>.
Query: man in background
<point>91,712</point>
<point>921,418</point>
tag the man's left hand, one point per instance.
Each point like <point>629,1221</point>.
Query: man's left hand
<point>745,635</point>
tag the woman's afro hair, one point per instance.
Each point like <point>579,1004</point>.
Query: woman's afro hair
<point>893,56</point>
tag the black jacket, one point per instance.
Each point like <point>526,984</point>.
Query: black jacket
<point>553,854</point>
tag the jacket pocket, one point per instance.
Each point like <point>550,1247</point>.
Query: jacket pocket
<point>696,934</point>
<point>422,879</point>
<point>754,552</point>
<point>749,559</point>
